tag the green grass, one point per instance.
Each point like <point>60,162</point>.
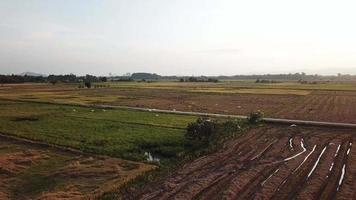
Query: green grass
<point>116,132</point>
<point>121,133</point>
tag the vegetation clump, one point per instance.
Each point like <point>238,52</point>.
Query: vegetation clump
<point>307,82</point>
<point>25,118</point>
<point>267,81</point>
<point>255,117</point>
<point>201,130</point>
<point>206,133</point>
<point>87,84</point>
<point>198,79</point>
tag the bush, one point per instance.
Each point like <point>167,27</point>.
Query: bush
<point>231,127</point>
<point>87,84</point>
<point>206,134</point>
<point>255,117</point>
<point>201,130</point>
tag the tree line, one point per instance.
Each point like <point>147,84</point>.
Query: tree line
<point>53,79</point>
<point>71,78</point>
<point>272,77</point>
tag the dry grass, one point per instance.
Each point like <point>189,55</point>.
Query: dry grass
<point>253,91</point>
<point>29,172</point>
<point>114,92</point>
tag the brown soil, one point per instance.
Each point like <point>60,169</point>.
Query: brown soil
<point>203,102</point>
<point>267,163</point>
<point>321,105</point>
<point>333,106</point>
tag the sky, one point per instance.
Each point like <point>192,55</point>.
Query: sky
<point>177,37</point>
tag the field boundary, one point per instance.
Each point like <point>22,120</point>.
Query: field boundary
<point>10,136</point>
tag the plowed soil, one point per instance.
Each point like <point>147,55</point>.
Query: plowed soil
<point>271,162</point>
<point>316,105</point>
<point>333,106</point>
<point>32,172</point>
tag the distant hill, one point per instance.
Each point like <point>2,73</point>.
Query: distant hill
<point>31,74</point>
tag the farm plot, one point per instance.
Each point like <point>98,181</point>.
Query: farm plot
<point>305,102</point>
<point>271,162</point>
<point>119,133</point>
<point>334,106</point>
<point>29,171</point>
<point>204,102</point>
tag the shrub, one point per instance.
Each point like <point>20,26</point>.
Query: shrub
<point>87,84</point>
<point>206,134</point>
<point>201,130</point>
<point>231,127</point>
<point>255,117</point>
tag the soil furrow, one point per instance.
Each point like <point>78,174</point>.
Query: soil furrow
<point>268,163</point>
<point>329,190</point>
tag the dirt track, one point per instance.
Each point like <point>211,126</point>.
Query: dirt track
<point>268,163</point>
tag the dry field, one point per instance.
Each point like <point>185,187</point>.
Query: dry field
<point>268,163</point>
<point>271,162</point>
<point>324,102</point>
<point>29,171</point>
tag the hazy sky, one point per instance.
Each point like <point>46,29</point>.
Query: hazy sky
<point>180,37</point>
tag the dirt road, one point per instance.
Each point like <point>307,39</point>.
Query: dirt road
<point>272,162</point>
